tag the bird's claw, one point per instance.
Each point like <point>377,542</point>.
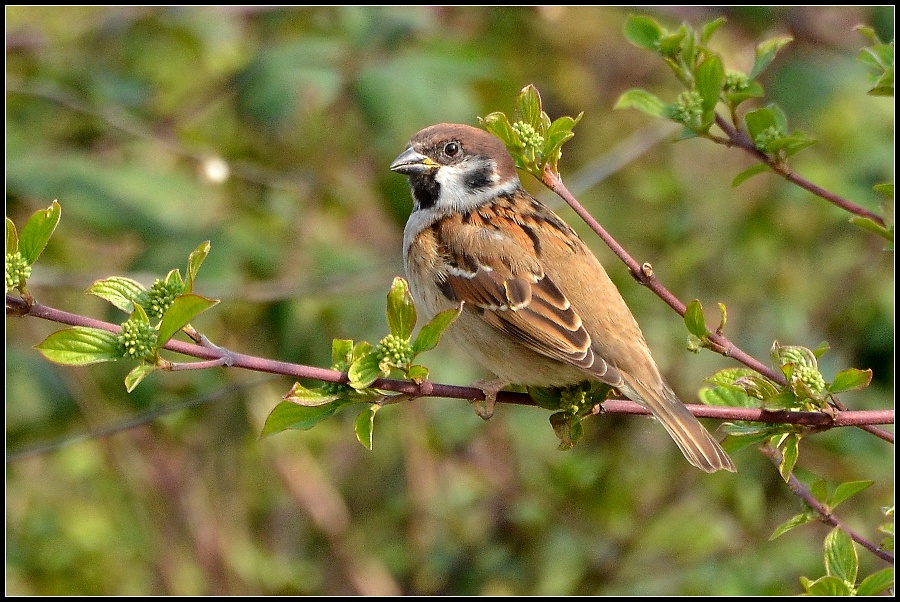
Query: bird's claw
<point>485,407</point>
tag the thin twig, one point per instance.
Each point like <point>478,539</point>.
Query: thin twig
<point>741,140</point>
<point>646,277</point>
<point>822,510</point>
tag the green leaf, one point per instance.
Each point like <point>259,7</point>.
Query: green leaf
<point>686,134</point>
<point>851,379</point>
<point>844,491</point>
<point>643,31</point>
<point>37,232</point>
<point>868,33</point>
<point>876,583</point>
<point>121,292</point>
<point>728,377</point>
<point>365,370</point>
<point>791,144</point>
<point>558,133</point>
<point>195,260</point>
<point>528,106</point>
<point>417,374</point>
<point>12,238</point>
<point>743,435</point>
<point>287,415</point>
<point>310,397</point>
<point>724,312</point>
<point>174,279</point>
<point>184,309</point>
<point>401,311</point>
<point>359,350</point>
<point>688,47</point>
<point>710,78</point>
<point>748,173</point>
<point>430,334</point>
<point>138,374</point>
<point>783,355</point>
<point>819,490</point>
<point>736,97</point>
<point>726,396</point>
<point>341,351</point>
<point>140,315</point>
<point>548,398</point>
<point>765,53</point>
<point>884,85</point>
<point>694,319</point>
<point>826,586</point>
<point>821,349</point>
<point>365,426</point>
<point>669,47</point>
<point>80,346</point>
<point>759,120</point>
<point>497,123</point>
<point>873,226</point>
<point>841,560</point>
<point>758,386</point>
<point>791,523</point>
<point>568,429</point>
<point>790,451</point>
<point>642,100</point>
<point>781,121</point>
<point>709,29</point>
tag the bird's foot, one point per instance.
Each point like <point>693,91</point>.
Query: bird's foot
<point>485,407</point>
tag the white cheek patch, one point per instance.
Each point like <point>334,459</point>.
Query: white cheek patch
<point>456,195</point>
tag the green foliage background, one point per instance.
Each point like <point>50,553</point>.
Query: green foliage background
<point>120,112</point>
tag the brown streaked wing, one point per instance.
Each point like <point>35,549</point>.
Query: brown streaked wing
<point>535,313</point>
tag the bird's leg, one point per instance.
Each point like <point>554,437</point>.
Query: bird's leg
<point>485,407</point>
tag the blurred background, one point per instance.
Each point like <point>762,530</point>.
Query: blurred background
<point>269,132</point>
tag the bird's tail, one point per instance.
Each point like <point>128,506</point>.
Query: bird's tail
<point>695,442</point>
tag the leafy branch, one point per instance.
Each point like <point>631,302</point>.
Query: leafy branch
<point>782,384</point>
<point>763,132</point>
<point>793,383</point>
<point>221,357</point>
<point>362,367</point>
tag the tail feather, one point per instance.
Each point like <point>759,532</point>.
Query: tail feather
<point>695,442</point>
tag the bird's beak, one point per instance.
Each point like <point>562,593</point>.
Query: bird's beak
<point>411,163</point>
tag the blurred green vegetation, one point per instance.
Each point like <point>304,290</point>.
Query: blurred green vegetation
<point>124,113</point>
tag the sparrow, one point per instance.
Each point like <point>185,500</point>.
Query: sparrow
<point>538,309</point>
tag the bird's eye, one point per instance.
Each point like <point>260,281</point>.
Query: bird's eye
<point>451,148</point>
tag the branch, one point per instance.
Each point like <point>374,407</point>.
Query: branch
<point>217,356</point>
<point>824,511</point>
<point>644,275</point>
<point>742,141</point>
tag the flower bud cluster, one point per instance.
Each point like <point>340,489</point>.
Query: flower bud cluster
<point>689,108</point>
<point>17,270</point>
<point>395,350</point>
<point>137,340</point>
<point>161,296</point>
<point>529,136</point>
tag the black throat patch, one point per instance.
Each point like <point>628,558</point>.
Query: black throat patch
<point>425,190</point>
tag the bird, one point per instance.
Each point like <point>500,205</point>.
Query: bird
<point>538,308</point>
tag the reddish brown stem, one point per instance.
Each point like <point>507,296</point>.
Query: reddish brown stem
<point>214,356</point>
<point>741,140</point>
<point>646,277</point>
<point>825,515</point>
